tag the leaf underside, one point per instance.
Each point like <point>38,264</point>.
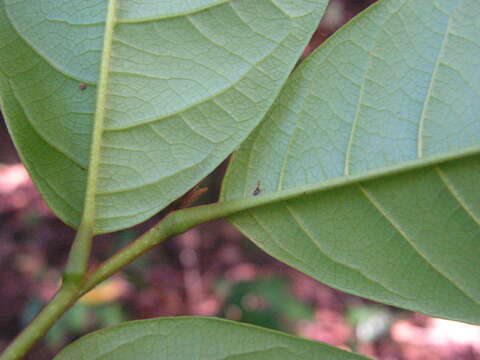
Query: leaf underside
<point>185,83</point>
<point>197,338</point>
<point>400,83</point>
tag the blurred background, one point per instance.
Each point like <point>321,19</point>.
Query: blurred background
<point>211,270</point>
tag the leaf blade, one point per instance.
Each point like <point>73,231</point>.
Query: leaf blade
<point>340,118</point>
<point>190,337</point>
<point>185,85</point>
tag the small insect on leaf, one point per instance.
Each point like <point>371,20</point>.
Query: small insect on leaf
<point>82,86</point>
<point>257,190</point>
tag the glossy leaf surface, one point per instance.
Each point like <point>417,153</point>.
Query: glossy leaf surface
<point>197,338</point>
<point>173,87</point>
<point>399,85</point>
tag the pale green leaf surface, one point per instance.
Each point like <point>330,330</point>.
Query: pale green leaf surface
<point>197,338</point>
<point>400,83</point>
<point>184,84</point>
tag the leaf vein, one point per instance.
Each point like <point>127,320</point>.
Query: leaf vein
<point>369,196</point>
<point>456,194</point>
<point>351,268</point>
<point>431,85</point>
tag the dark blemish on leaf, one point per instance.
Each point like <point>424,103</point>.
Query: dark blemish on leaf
<point>82,86</point>
<point>257,190</point>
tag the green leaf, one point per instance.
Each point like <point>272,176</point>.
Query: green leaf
<point>172,88</point>
<point>383,122</point>
<point>196,338</point>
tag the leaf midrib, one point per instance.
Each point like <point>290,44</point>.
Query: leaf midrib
<point>341,181</point>
<point>233,207</point>
<point>88,219</point>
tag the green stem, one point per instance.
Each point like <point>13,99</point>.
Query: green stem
<point>173,224</point>
<point>77,264</point>
<point>62,301</point>
<point>154,236</point>
<point>179,222</point>
<point>182,220</point>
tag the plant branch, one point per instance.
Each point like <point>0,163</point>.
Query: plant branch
<point>62,301</point>
<point>182,220</point>
<point>77,263</point>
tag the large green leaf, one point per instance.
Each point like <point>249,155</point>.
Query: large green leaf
<point>371,119</point>
<point>197,338</point>
<point>172,87</point>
